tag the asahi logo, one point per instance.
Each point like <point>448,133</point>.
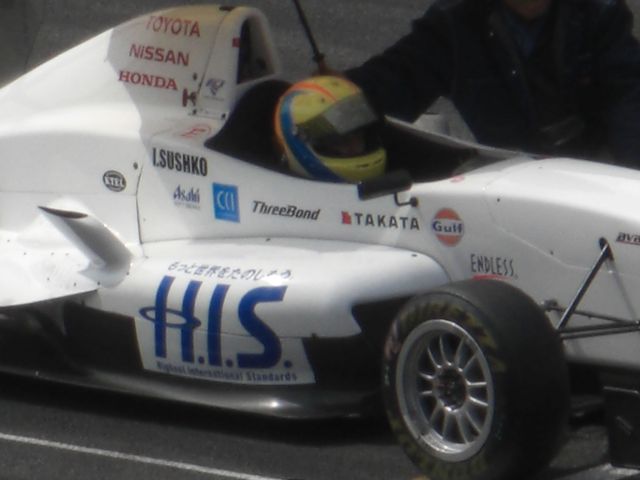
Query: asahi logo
<point>187,197</point>
<point>180,162</point>
<point>376,220</point>
<point>114,181</point>
<point>448,227</point>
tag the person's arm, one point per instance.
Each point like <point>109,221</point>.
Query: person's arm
<point>407,77</point>
<point>618,57</point>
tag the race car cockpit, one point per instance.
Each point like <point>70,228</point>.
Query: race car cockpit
<point>250,134</point>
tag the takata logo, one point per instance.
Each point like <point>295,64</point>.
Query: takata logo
<point>448,227</point>
<point>389,222</point>
<point>225,202</point>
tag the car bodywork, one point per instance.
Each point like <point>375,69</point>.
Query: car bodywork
<point>206,270</point>
<point>148,247</point>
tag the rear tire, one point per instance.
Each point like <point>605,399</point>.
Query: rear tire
<point>475,382</point>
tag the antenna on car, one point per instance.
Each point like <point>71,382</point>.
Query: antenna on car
<point>318,56</point>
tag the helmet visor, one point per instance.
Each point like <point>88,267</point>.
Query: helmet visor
<point>352,144</point>
<point>340,118</point>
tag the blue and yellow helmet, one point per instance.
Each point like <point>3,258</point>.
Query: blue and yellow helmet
<point>327,131</point>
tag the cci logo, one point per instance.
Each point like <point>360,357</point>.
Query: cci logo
<point>225,202</point>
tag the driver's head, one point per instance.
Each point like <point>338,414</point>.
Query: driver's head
<point>327,131</point>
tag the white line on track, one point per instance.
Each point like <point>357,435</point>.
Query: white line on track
<point>602,472</point>
<point>132,458</point>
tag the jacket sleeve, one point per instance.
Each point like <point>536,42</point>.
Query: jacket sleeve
<point>618,60</point>
<point>411,74</point>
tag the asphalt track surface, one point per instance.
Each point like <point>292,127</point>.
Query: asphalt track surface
<point>58,432</point>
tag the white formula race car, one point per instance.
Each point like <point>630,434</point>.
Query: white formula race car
<point>150,244</point>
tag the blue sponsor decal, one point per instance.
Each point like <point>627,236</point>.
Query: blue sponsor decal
<point>184,319</point>
<point>225,202</point>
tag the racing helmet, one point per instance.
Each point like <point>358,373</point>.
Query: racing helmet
<point>327,131</point>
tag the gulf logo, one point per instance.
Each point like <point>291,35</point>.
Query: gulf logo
<point>448,227</point>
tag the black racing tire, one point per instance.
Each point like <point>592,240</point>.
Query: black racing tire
<point>475,382</point>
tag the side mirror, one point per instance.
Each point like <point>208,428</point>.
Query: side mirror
<point>390,183</point>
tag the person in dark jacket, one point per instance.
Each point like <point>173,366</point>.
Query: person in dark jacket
<point>553,77</point>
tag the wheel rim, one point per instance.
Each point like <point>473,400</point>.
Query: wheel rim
<point>445,390</point>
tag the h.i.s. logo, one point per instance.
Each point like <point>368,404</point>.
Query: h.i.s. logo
<point>187,328</point>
